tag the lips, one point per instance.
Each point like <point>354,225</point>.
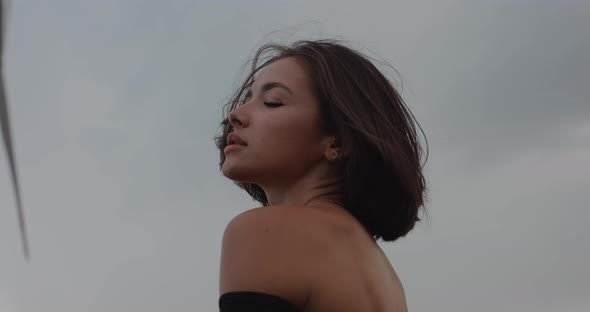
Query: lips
<point>233,138</point>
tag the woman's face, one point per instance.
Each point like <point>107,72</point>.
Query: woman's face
<point>279,122</point>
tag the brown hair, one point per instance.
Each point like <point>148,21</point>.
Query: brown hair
<point>384,186</point>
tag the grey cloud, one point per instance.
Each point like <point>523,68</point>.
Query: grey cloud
<point>502,78</point>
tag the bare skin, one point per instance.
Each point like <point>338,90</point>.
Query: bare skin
<point>317,257</point>
<point>287,154</point>
<point>308,251</point>
<point>360,277</point>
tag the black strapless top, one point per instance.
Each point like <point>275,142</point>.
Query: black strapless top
<point>250,301</point>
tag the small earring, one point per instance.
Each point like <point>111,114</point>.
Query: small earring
<point>333,154</point>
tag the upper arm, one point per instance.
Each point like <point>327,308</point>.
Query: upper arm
<point>266,251</point>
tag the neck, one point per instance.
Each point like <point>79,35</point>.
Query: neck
<point>305,191</point>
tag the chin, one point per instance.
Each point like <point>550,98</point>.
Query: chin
<point>235,173</point>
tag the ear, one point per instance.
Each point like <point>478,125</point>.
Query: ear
<point>333,150</point>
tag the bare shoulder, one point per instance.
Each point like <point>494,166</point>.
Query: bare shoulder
<point>263,214</point>
<point>269,249</point>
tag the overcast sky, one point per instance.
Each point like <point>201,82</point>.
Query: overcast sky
<point>114,105</point>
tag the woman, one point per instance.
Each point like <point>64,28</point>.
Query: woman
<point>323,141</point>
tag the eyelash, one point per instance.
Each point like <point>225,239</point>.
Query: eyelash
<point>269,104</point>
<point>273,104</point>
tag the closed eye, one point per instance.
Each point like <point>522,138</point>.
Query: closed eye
<point>273,104</point>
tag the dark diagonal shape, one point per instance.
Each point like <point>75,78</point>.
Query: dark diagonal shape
<point>4,122</point>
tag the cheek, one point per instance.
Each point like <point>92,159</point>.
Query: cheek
<point>290,138</point>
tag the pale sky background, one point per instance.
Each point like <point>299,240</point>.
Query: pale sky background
<point>114,106</point>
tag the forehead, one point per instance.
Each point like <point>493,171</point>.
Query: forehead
<point>288,71</point>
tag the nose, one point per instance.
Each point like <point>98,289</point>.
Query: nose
<point>236,120</point>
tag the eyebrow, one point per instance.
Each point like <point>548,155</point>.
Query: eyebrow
<point>268,86</point>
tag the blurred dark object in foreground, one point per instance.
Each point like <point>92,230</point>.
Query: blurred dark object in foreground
<point>5,124</point>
